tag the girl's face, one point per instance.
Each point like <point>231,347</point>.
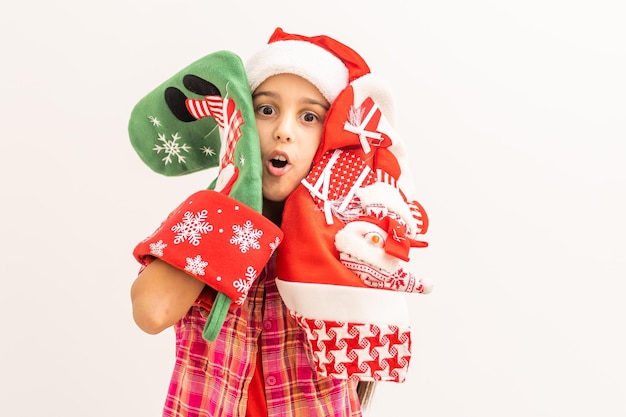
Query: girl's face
<point>290,113</point>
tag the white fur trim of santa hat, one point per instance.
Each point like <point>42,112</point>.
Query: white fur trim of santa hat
<point>344,303</point>
<point>305,59</point>
<point>371,85</point>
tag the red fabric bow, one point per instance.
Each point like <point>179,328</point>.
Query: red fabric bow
<point>397,243</point>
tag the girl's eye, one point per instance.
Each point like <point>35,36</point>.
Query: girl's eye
<point>310,117</point>
<point>265,110</point>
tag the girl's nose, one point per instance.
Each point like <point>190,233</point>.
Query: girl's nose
<point>283,138</point>
<point>284,130</point>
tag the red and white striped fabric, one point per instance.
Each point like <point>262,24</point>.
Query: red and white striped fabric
<point>227,118</point>
<point>210,106</point>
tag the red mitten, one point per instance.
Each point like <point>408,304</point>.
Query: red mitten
<point>216,239</point>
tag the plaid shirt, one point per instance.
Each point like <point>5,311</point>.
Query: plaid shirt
<point>211,379</point>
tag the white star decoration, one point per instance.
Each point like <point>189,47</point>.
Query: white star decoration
<point>155,122</point>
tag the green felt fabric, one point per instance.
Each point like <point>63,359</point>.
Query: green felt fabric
<point>173,147</point>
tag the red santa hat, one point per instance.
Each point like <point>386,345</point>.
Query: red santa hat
<point>324,62</point>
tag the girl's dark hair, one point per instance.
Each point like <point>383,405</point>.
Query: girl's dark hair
<point>365,392</point>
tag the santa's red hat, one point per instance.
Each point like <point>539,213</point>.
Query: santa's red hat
<point>324,62</point>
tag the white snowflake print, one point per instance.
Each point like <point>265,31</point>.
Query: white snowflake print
<point>243,285</point>
<point>156,248</point>
<point>192,227</point>
<point>155,122</point>
<point>207,150</point>
<point>246,236</point>
<point>196,265</point>
<point>274,244</point>
<point>242,160</point>
<point>171,148</point>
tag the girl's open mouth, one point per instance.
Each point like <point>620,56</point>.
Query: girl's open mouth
<point>279,161</point>
<point>278,164</point>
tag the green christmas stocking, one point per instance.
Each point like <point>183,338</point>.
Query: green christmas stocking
<point>202,118</point>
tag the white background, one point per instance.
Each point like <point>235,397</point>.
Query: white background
<point>514,114</point>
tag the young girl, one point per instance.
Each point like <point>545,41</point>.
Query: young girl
<point>258,364</point>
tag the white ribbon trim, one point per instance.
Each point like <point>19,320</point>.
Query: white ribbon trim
<point>360,130</point>
<point>322,185</point>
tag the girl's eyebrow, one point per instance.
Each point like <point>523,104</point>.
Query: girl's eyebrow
<point>264,93</point>
<point>316,102</point>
